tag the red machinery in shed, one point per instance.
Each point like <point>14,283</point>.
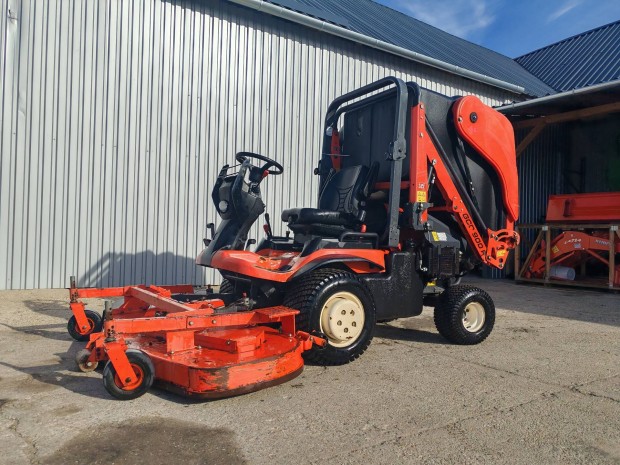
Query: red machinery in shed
<point>588,236</point>
<point>414,187</point>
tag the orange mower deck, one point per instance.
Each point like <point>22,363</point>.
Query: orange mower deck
<point>200,348</point>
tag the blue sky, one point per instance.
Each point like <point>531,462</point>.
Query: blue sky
<point>511,27</point>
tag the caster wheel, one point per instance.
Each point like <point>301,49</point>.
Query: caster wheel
<point>95,324</point>
<point>145,374</point>
<point>81,359</point>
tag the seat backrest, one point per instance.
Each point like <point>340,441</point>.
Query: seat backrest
<point>347,188</point>
<point>367,134</point>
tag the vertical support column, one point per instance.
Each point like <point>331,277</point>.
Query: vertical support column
<point>418,169</point>
<point>517,258</point>
<point>612,254</point>
<point>547,231</point>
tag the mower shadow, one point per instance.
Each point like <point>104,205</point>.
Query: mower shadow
<point>386,331</point>
<point>56,375</point>
<point>46,331</point>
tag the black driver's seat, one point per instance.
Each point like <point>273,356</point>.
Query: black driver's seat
<point>341,204</point>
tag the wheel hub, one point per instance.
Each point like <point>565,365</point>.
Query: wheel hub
<point>473,317</point>
<point>342,319</point>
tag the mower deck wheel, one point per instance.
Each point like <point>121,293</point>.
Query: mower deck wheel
<point>81,359</point>
<point>334,302</point>
<point>145,374</point>
<point>95,323</point>
<point>464,314</point>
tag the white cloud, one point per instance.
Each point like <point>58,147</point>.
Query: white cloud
<point>458,17</point>
<point>569,5</point>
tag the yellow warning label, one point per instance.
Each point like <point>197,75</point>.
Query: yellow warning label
<point>555,249</point>
<point>435,236</point>
<point>501,253</point>
<point>421,196</point>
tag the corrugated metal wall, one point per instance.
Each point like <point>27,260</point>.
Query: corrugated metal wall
<point>540,169</point>
<point>116,116</point>
<point>540,175</point>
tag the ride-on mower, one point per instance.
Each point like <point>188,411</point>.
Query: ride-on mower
<point>414,188</point>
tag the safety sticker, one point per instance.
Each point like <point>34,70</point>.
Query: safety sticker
<point>555,249</point>
<point>421,196</point>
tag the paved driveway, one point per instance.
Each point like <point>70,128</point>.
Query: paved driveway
<point>544,388</point>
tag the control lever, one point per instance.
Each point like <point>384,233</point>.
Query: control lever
<point>211,227</point>
<point>267,227</point>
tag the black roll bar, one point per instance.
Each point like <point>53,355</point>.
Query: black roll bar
<point>398,148</point>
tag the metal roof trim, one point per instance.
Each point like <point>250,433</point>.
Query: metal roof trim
<point>324,26</point>
<point>560,96</point>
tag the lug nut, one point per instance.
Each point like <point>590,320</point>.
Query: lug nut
<point>346,330</point>
<point>339,323</point>
<point>344,312</point>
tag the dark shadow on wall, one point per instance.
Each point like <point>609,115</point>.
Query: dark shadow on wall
<point>123,269</point>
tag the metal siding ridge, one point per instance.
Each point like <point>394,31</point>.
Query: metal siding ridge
<point>130,109</point>
<point>324,26</point>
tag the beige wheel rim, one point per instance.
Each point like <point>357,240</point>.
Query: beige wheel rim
<point>473,317</point>
<point>342,319</point>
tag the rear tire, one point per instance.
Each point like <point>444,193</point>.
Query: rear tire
<point>464,314</point>
<point>336,303</point>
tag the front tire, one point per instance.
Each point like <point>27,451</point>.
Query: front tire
<point>464,315</point>
<point>95,324</point>
<point>226,287</point>
<point>334,302</point>
<point>145,374</point>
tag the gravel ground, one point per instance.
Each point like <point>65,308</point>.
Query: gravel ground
<point>544,388</point>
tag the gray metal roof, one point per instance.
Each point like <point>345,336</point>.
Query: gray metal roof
<point>382,23</point>
<point>579,61</point>
<point>570,100</point>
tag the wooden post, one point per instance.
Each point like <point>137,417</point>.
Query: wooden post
<point>547,231</point>
<point>612,254</point>
<point>532,251</point>
<point>517,257</point>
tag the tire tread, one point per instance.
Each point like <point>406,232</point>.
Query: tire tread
<point>448,318</point>
<point>303,293</point>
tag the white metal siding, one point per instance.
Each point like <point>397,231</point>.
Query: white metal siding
<point>116,116</point>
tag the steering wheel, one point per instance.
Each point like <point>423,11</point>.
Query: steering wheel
<point>242,156</point>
